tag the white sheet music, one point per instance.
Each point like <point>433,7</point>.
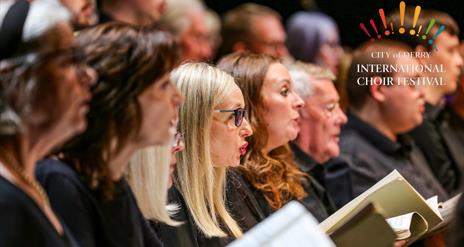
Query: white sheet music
<point>292,226</point>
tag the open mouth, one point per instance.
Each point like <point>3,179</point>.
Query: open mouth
<point>243,149</point>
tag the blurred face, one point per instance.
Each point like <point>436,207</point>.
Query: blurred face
<point>403,104</point>
<point>71,93</point>
<point>269,37</point>
<point>448,55</point>
<point>227,139</point>
<point>195,41</point>
<point>158,104</point>
<point>280,105</point>
<point>83,12</point>
<point>323,118</point>
<point>331,52</point>
<point>151,9</point>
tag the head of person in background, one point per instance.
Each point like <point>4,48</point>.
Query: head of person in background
<point>394,107</point>
<point>313,37</point>
<point>273,111</point>
<point>44,94</point>
<point>135,12</point>
<point>214,126</point>
<point>321,116</point>
<point>84,12</point>
<point>150,176</point>
<point>134,80</point>
<point>255,28</point>
<point>188,21</point>
<point>443,52</point>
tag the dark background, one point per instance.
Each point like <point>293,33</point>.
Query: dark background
<point>348,14</point>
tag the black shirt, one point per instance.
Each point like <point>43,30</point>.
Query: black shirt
<point>22,222</point>
<point>94,222</point>
<point>318,202</point>
<point>248,205</point>
<point>451,127</point>
<point>371,156</point>
<point>429,139</point>
<point>187,234</point>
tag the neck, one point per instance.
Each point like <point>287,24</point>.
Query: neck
<point>26,151</point>
<point>121,11</point>
<point>433,96</point>
<point>371,114</point>
<point>118,163</point>
<point>458,104</point>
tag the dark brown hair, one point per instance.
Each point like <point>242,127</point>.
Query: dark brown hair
<point>127,60</point>
<point>275,174</point>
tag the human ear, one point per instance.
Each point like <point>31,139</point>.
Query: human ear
<point>376,89</point>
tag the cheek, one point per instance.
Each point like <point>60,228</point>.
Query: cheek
<point>224,147</point>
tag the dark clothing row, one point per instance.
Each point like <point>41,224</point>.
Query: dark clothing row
<point>437,149</point>
<point>248,205</point>
<point>92,221</point>
<point>187,234</point>
<point>23,223</point>
<point>370,156</point>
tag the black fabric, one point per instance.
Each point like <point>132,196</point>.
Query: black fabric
<point>248,205</point>
<point>370,156</point>
<point>245,204</point>
<point>429,139</point>
<point>11,31</point>
<point>318,202</point>
<point>451,127</point>
<point>187,234</point>
<point>94,222</point>
<point>24,224</point>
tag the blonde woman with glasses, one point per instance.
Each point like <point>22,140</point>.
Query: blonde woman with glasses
<point>214,128</point>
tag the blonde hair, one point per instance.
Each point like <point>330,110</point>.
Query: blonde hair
<point>202,184</point>
<point>148,175</point>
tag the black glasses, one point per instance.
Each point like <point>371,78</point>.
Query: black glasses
<point>239,114</point>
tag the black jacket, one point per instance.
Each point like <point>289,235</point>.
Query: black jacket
<point>187,234</point>
<point>370,156</point>
<point>430,139</point>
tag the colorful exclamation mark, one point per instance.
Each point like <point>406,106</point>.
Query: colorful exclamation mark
<point>391,25</point>
<point>416,16</point>
<point>418,32</point>
<point>361,25</point>
<point>431,23</point>
<point>382,16</point>
<point>442,27</point>
<point>402,8</point>
<point>375,28</point>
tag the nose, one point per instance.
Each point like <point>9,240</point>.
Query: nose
<point>342,119</point>
<point>246,128</point>
<point>458,60</point>
<point>298,103</point>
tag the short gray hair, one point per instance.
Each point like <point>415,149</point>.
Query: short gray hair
<point>177,16</point>
<point>303,75</point>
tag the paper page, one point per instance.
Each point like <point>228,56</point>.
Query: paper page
<point>292,225</point>
<point>433,203</point>
<point>400,223</point>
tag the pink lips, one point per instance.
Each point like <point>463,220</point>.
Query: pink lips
<point>243,149</point>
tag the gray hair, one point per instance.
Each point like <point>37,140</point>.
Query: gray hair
<point>177,16</point>
<point>303,76</point>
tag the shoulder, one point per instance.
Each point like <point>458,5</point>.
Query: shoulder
<point>52,167</point>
